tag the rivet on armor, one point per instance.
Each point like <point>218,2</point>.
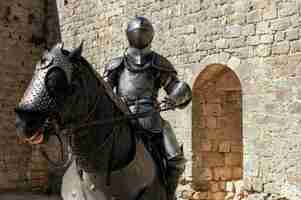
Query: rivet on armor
<point>92,187</point>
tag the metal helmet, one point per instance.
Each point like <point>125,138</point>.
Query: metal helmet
<point>140,32</point>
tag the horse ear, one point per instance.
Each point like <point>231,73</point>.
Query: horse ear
<point>76,53</point>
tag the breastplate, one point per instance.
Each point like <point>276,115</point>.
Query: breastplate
<point>137,85</point>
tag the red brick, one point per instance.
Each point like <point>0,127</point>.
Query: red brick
<point>236,147</point>
<point>213,159</point>
<point>219,195</point>
<point>211,122</point>
<point>233,159</point>
<point>206,174</point>
<point>237,173</point>
<point>222,173</point>
<point>212,109</point>
<point>206,145</point>
<point>224,146</point>
<point>214,186</point>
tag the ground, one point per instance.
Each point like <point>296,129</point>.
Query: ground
<point>26,196</point>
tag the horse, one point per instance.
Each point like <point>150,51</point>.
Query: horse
<point>67,97</point>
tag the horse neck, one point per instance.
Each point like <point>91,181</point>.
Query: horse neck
<point>106,146</point>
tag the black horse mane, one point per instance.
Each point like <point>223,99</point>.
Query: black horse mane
<point>107,89</point>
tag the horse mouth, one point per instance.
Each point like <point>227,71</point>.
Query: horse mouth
<point>37,138</point>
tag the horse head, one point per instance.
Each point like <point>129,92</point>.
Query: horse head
<point>57,92</point>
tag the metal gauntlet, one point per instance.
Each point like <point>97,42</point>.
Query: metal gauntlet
<point>180,92</point>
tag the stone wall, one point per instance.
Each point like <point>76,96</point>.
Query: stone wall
<point>23,36</point>
<point>259,40</point>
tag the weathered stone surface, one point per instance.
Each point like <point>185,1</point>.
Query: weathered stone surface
<point>266,39</point>
<point>263,50</point>
<point>248,30</point>
<point>254,16</point>
<point>258,39</point>
<point>280,48</point>
<point>263,28</point>
<point>232,31</point>
<point>23,36</point>
<point>292,34</point>
<point>280,24</point>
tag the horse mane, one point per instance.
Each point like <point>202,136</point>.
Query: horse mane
<point>107,88</point>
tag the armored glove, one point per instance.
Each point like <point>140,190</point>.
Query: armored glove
<point>167,104</point>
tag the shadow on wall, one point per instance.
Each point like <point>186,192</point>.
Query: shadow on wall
<point>216,130</point>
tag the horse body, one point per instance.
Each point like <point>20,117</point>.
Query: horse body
<point>109,162</point>
<point>131,182</point>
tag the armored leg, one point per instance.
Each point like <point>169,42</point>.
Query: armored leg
<point>175,159</point>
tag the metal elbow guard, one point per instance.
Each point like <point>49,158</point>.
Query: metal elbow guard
<point>181,94</point>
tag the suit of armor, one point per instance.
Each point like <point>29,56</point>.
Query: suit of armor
<point>137,77</point>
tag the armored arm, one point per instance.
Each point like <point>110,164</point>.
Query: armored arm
<point>110,74</point>
<point>178,91</point>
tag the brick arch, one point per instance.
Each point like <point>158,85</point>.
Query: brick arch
<point>217,142</point>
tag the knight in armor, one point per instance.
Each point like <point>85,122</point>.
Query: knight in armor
<point>137,77</point>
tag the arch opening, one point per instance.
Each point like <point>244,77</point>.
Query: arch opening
<point>217,145</point>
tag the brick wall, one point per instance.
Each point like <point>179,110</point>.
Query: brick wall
<point>216,132</point>
<point>23,36</point>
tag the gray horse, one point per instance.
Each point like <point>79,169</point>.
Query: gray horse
<point>67,97</point>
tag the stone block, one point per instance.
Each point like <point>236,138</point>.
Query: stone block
<point>253,40</point>
<point>243,52</point>
<point>212,109</point>
<point>206,145</point>
<point>272,187</point>
<point>270,12</point>
<point>292,34</point>
<point>279,36</point>
<point>280,24</point>
<point>296,46</point>
<point>222,173</point>
<point>213,159</point>
<point>263,28</point>
<point>222,185</point>
<point>236,147</point>
<point>237,19</point>
<point>263,50</point>
<point>214,186</point>
<point>222,44</point>
<point>236,42</point>
<point>280,48</point>
<point>219,195</point>
<point>232,31</point>
<point>233,159</point>
<point>237,173</point>
<point>211,122</point>
<point>287,9</point>
<point>248,30</point>
<point>267,39</point>
<point>233,63</point>
<point>225,147</point>
<point>206,174</point>
<point>254,16</point>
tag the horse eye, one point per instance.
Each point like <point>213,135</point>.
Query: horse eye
<point>56,82</point>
